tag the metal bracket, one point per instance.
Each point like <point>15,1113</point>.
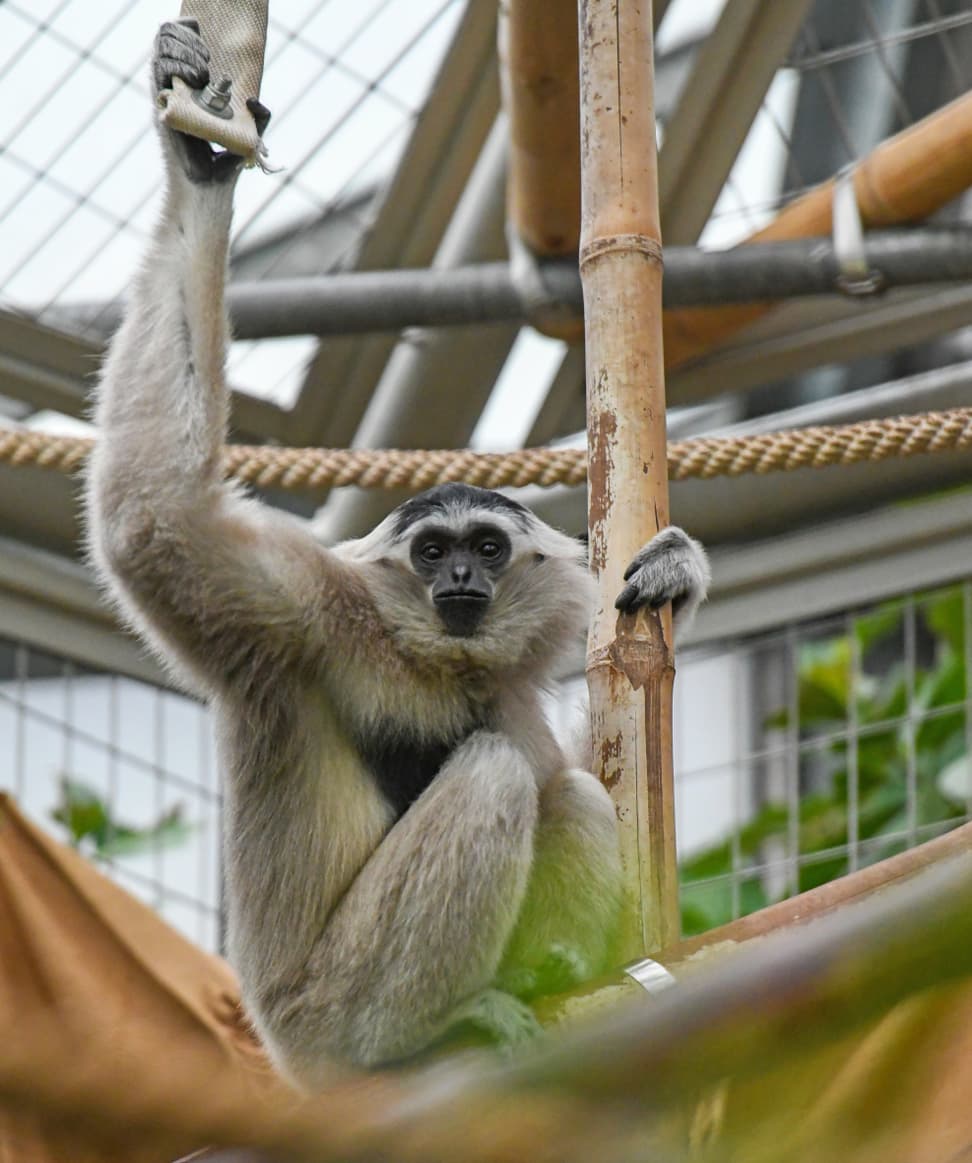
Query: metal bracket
<point>650,975</point>
<point>215,98</point>
<point>856,276</point>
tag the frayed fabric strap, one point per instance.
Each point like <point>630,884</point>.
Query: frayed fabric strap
<point>235,32</point>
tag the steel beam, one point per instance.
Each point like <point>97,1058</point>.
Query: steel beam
<point>48,369</point>
<point>746,508</point>
<point>813,333</point>
<point>436,382</point>
<point>564,409</point>
<point>410,222</point>
<point>730,75</point>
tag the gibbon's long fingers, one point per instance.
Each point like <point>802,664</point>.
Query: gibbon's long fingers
<point>163,401</point>
<point>180,52</point>
<point>424,925</point>
<point>672,567</point>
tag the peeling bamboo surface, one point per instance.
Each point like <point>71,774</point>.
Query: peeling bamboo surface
<point>630,666</point>
<point>904,179</point>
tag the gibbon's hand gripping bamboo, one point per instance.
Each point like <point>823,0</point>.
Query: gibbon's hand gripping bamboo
<point>235,31</point>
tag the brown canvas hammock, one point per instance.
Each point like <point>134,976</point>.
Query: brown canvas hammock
<point>133,1002</point>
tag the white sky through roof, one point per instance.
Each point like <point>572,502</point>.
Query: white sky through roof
<point>80,172</point>
<point>346,80</point>
<point>79,165</point>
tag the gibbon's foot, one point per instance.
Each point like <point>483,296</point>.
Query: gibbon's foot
<point>562,969</point>
<point>181,52</point>
<point>502,1018</point>
<point>672,567</point>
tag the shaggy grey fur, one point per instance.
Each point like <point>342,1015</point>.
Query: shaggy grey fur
<point>360,930</point>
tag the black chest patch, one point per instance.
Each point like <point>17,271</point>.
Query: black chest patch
<point>402,766</point>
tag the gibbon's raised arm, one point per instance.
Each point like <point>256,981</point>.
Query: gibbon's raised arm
<point>204,572</point>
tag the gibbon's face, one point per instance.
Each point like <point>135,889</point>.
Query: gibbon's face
<point>463,575</point>
<point>460,565</point>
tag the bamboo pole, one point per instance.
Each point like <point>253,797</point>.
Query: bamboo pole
<point>539,80</point>
<point>630,664</point>
<point>538,75</point>
<point>904,179</point>
<point>538,69</point>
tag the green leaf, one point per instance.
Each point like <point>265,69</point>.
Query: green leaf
<point>82,812</point>
<point>87,817</point>
<point>879,624</point>
<point>955,781</point>
<point>942,687</point>
<point>944,614</point>
<point>169,831</point>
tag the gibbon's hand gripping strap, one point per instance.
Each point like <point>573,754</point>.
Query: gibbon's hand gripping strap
<point>235,32</point>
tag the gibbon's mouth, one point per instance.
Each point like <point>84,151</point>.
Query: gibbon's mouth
<point>461,611</point>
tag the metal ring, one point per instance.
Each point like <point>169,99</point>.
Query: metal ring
<point>856,276</point>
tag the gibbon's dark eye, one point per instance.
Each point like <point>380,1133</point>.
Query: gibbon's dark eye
<point>490,550</point>
<point>431,552</point>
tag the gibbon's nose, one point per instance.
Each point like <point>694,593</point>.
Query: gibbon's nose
<point>461,573</point>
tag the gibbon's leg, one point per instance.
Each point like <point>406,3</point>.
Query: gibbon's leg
<point>415,942</point>
<point>567,927</point>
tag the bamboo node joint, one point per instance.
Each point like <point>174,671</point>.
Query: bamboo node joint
<point>644,244</point>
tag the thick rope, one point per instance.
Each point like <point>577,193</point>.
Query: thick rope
<point>268,466</point>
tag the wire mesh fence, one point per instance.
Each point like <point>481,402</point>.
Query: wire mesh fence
<point>79,167</point>
<point>347,80</point>
<point>855,75</point>
<point>804,753</point>
<point>122,770</point>
<point>815,750</point>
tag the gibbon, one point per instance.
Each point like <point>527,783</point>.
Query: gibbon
<point>407,845</point>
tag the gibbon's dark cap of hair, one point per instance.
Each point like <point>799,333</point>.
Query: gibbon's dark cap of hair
<point>441,498</point>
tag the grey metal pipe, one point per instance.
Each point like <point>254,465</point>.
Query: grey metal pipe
<point>486,292</point>
<point>343,304</point>
<point>371,301</point>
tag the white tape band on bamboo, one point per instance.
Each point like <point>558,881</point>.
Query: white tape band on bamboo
<point>235,31</point>
<point>298,469</point>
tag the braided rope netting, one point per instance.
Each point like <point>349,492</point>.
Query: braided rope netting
<point>705,457</point>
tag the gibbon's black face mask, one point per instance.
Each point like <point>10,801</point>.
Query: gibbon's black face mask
<point>461,572</point>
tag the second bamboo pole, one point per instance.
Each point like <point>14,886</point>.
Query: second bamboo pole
<point>630,663</point>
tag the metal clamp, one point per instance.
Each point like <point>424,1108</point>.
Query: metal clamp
<point>856,277</point>
<point>542,306</point>
<point>650,975</point>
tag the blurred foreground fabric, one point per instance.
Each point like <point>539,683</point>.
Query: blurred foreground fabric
<point>121,1041</point>
<point>133,1000</point>
<point>901,1092</point>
